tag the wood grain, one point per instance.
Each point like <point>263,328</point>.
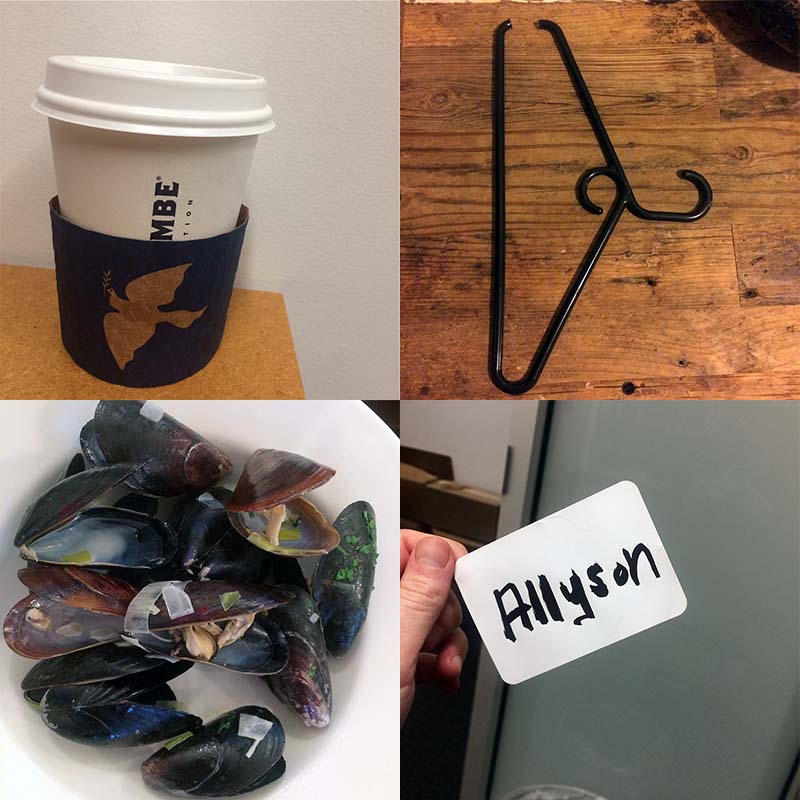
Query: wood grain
<point>678,310</point>
<point>768,259</point>
<point>625,347</point>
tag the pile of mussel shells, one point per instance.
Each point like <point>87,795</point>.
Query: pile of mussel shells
<point>141,564</point>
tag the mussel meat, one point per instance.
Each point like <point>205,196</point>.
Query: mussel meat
<point>268,509</point>
<point>177,604</point>
<point>239,751</point>
<point>297,528</point>
<point>342,582</point>
<point>40,628</point>
<point>128,591</point>
<point>68,609</point>
<point>210,621</point>
<point>256,646</point>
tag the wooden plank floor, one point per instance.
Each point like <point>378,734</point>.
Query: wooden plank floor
<point>707,309</point>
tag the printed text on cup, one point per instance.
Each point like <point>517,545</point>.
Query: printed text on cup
<point>165,210</point>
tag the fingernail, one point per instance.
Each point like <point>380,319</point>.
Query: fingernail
<point>457,662</point>
<point>432,552</point>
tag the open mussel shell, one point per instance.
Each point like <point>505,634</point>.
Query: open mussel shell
<point>262,650</point>
<point>305,684</point>
<point>197,602</point>
<point>297,528</point>
<point>68,609</point>
<point>239,751</point>
<point>106,536</point>
<point>60,503</point>
<point>128,711</point>
<point>342,582</point>
<point>79,588</point>
<point>103,663</point>
<point>200,521</point>
<point>272,477</point>
<point>178,459</point>
<point>40,628</point>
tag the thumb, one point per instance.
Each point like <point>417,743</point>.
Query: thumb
<point>424,589</point>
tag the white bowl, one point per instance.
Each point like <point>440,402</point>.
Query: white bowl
<point>357,756</point>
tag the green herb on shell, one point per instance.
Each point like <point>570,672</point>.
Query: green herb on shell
<point>346,574</point>
<point>228,599</point>
<point>175,741</point>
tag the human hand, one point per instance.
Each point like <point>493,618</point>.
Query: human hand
<point>432,645</point>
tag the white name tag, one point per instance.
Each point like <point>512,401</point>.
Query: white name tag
<point>582,578</point>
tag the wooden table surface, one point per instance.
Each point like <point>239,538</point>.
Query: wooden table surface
<point>706,309</point>
<point>256,359</point>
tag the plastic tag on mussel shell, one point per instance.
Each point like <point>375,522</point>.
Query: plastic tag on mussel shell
<point>208,500</point>
<point>137,617</point>
<point>176,600</point>
<point>151,411</point>
<point>254,728</point>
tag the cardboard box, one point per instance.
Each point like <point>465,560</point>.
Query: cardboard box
<point>464,512</point>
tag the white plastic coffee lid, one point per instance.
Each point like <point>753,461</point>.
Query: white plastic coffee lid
<point>155,97</point>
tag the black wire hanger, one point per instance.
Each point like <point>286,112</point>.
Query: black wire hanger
<point>623,200</point>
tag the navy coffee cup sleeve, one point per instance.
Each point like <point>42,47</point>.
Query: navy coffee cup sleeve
<point>143,313</point>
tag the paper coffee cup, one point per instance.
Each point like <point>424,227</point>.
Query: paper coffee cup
<point>151,150</point>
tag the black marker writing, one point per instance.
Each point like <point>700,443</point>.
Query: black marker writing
<point>576,594</point>
<point>633,561</point>
<point>547,607</point>
<point>598,586</point>
<point>520,612</point>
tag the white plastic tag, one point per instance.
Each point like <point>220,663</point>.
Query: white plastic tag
<point>571,583</point>
<point>151,411</point>
<point>255,728</point>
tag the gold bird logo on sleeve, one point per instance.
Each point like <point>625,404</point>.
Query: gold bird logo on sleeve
<point>133,321</point>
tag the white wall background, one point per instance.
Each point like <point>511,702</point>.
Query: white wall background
<point>324,189</point>
<point>474,433</point>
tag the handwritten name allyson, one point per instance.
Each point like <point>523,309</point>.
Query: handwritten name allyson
<point>547,603</point>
